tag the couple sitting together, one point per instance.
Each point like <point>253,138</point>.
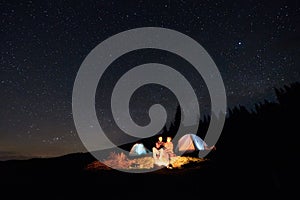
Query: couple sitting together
<point>163,151</point>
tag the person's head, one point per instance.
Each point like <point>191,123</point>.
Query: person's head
<point>169,139</point>
<point>160,138</point>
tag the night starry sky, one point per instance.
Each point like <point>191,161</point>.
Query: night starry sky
<point>254,43</point>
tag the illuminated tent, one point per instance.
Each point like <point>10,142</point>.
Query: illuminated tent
<point>138,149</point>
<point>190,143</point>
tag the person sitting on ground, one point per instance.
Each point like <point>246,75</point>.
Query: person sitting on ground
<point>169,147</point>
<point>169,151</point>
<point>158,149</point>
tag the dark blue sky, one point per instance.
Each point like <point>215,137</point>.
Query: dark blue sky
<point>255,45</point>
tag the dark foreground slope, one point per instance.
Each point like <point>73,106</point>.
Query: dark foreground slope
<point>232,177</point>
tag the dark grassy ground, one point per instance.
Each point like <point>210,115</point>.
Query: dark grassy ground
<point>214,176</point>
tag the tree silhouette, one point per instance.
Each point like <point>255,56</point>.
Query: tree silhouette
<point>175,123</point>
